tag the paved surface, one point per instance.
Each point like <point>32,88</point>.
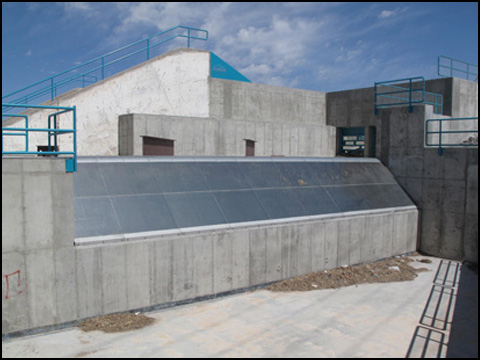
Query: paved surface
<point>374,320</point>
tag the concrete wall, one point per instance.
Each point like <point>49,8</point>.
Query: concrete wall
<point>281,121</point>
<point>48,280</point>
<point>264,103</point>
<point>443,187</point>
<point>179,84</point>
<point>147,270</point>
<point>38,257</point>
<point>355,108</point>
<point>221,137</point>
<point>175,83</point>
<point>460,96</point>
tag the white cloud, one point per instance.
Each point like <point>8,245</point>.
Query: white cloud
<point>29,53</point>
<point>83,6</point>
<point>261,69</point>
<point>386,14</point>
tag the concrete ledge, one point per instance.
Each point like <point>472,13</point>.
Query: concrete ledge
<point>143,159</point>
<point>148,235</point>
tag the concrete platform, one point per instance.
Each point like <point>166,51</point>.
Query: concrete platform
<point>436,315</point>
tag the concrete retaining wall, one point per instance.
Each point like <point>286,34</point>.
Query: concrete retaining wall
<point>153,269</point>
<point>443,187</point>
<point>47,280</point>
<point>220,137</point>
<point>38,257</point>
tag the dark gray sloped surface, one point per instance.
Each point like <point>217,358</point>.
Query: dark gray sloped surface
<point>127,195</point>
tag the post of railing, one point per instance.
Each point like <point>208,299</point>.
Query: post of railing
<point>410,107</point>
<point>440,127</point>
<point>26,135</point>
<point>148,48</point>
<point>103,67</point>
<point>51,89</point>
<point>71,164</point>
<point>423,89</point>
<point>188,37</point>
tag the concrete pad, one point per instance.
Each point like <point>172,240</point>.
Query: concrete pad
<point>372,320</point>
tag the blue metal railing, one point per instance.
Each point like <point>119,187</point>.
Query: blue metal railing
<point>452,67</point>
<point>403,92</point>
<point>436,134</point>
<point>48,88</point>
<point>52,131</point>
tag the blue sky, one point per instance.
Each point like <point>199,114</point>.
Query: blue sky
<point>314,46</point>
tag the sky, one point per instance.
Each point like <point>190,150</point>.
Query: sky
<point>314,46</point>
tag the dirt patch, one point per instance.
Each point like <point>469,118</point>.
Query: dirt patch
<point>116,323</point>
<point>390,270</point>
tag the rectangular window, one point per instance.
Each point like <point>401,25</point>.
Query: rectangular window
<point>157,146</point>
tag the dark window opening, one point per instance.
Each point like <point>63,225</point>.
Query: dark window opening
<point>250,148</point>
<point>47,148</point>
<point>372,141</point>
<point>157,146</point>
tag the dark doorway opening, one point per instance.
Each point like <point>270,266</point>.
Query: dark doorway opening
<point>157,146</point>
<point>352,142</point>
<point>250,148</point>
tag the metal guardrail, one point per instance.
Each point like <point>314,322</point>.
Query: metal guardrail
<point>448,66</point>
<point>48,88</point>
<point>52,131</point>
<point>439,136</point>
<point>408,91</point>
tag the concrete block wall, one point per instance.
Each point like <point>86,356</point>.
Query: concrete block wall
<point>221,137</point>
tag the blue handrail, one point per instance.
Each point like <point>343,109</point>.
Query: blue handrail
<point>448,66</point>
<point>52,84</point>
<point>439,133</point>
<point>51,131</point>
<point>408,91</point>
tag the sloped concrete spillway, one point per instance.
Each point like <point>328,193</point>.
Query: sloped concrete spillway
<point>133,195</point>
